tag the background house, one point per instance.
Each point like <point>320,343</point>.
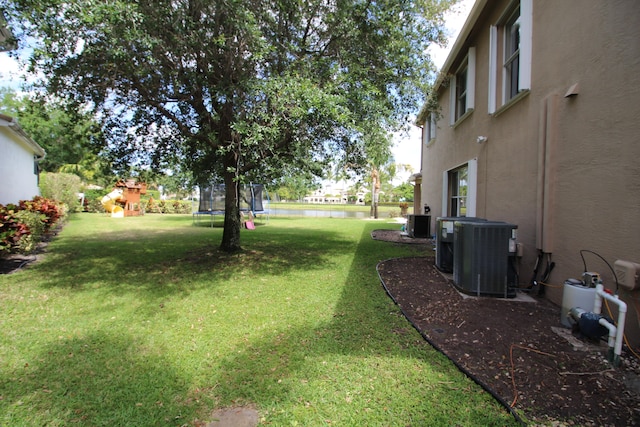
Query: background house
<point>534,120</point>
<point>18,162</point>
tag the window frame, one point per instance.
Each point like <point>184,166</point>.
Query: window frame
<point>511,56</point>
<point>502,94</point>
<point>472,189</point>
<point>458,184</point>
<point>429,129</point>
<point>465,77</point>
<point>461,91</point>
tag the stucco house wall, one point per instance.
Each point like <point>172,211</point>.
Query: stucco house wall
<point>19,155</point>
<point>562,160</point>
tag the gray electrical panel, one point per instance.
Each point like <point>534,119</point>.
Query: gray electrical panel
<point>481,258</point>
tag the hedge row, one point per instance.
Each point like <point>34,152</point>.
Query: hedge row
<point>23,226</point>
<point>93,204</point>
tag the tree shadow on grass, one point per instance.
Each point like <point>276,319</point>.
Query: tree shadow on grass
<point>312,374</point>
<point>157,264</point>
<point>100,379</point>
<point>339,368</point>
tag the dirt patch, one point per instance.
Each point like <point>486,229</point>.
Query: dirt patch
<point>242,416</point>
<point>516,348</point>
<point>398,237</point>
<point>10,263</point>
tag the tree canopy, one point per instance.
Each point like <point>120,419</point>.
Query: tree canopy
<point>72,138</point>
<point>237,89</point>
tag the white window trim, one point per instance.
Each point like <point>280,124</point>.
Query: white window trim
<point>493,67</point>
<point>471,79</point>
<point>452,99</point>
<point>526,38</point>
<point>508,56</point>
<point>526,48</point>
<point>429,129</point>
<point>433,126</point>
<point>470,61</point>
<point>472,188</point>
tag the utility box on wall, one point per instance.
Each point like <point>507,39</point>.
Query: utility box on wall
<point>481,258</point>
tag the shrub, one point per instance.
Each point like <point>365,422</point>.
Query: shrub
<point>12,230</point>
<point>152,206</point>
<point>63,187</point>
<point>35,222</point>
<point>168,206</point>
<point>52,210</point>
<point>93,200</point>
<point>94,205</point>
<point>22,226</point>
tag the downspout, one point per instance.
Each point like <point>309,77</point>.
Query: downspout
<point>547,138</point>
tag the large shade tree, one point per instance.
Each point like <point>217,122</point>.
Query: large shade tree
<point>239,89</point>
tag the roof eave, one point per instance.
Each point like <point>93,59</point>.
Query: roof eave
<point>12,124</point>
<point>460,40</point>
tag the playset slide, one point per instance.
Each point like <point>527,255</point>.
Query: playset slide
<point>110,205</point>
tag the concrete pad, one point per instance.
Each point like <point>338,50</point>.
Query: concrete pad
<point>234,417</point>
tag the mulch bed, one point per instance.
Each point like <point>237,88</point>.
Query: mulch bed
<point>515,348</point>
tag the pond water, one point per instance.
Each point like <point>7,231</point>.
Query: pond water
<point>337,213</point>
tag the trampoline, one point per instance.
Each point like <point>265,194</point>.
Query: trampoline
<point>253,198</point>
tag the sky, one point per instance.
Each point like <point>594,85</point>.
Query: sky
<point>406,149</point>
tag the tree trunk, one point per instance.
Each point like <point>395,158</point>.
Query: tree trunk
<point>231,231</point>
<point>375,188</point>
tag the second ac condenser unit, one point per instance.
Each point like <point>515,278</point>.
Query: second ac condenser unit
<point>419,226</point>
<point>481,258</point>
<point>444,240</point>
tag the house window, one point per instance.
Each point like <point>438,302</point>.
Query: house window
<point>461,92</point>
<point>510,54</point>
<point>459,185</point>
<point>459,190</point>
<point>463,87</point>
<point>429,129</point>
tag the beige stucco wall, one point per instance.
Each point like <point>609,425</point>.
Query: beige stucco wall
<point>593,140</point>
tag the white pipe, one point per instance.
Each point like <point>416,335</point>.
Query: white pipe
<point>622,314</point>
<point>612,331</point>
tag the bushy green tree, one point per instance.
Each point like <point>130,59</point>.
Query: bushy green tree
<point>296,187</point>
<point>246,89</point>
<point>403,192</point>
<point>62,187</point>
<point>71,137</point>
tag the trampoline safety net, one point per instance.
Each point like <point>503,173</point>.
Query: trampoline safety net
<point>253,197</point>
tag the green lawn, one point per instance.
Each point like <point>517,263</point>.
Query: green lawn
<point>142,322</point>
